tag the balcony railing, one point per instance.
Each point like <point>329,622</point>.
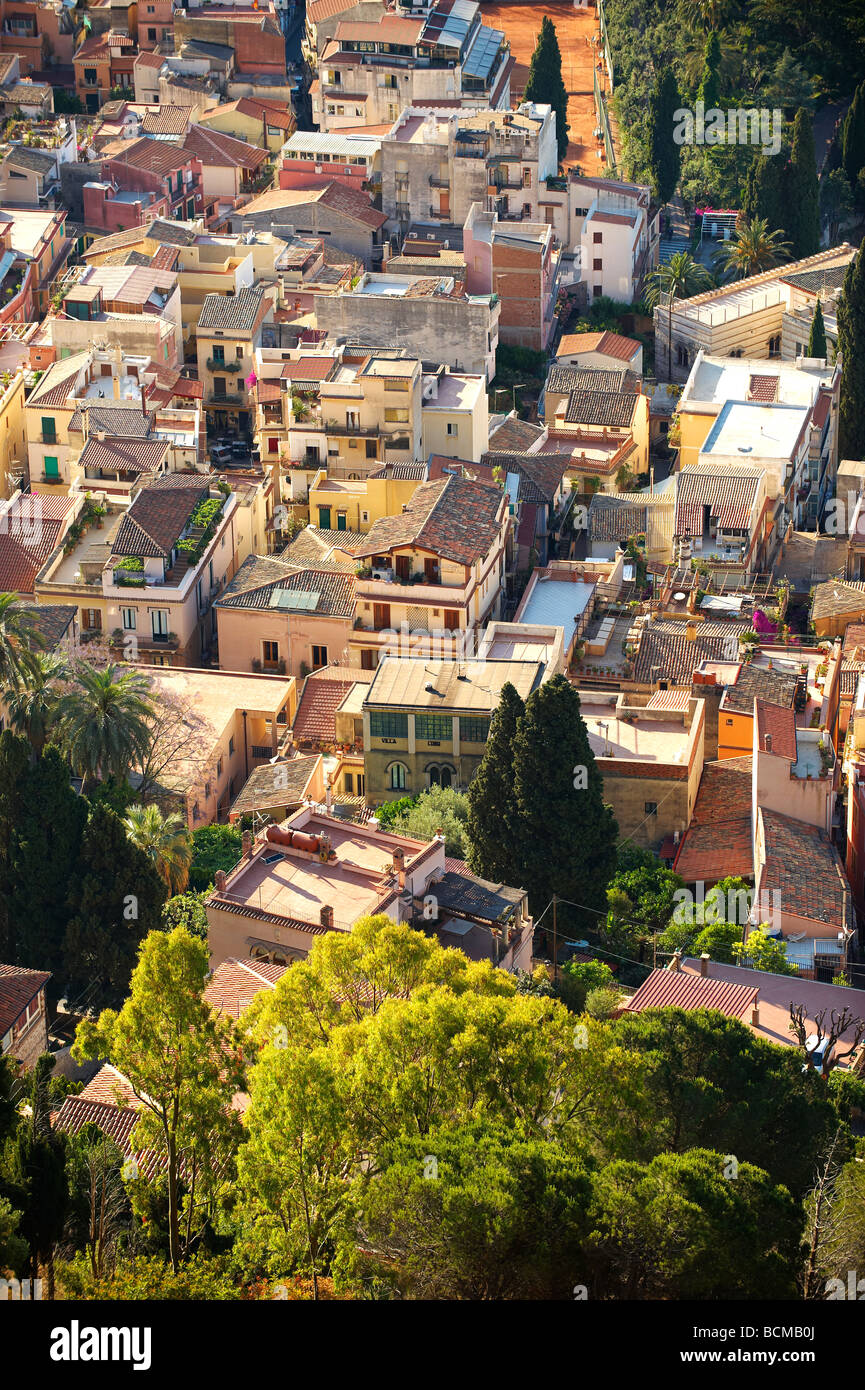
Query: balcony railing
<point>215,365</point>
<point>431,593</point>
<point>228,399</point>
<point>369,432</point>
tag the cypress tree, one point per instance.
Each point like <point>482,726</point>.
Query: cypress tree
<point>14,762</point>
<point>766,193</point>
<point>817,336</point>
<point>117,900</point>
<point>665,156</point>
<point>853,137</point>
<point>851,349</point>
<point>490,826</point>
<point>567,840</point>
<point>803,195</point>
<point>710,84</point>
<point>545,82</point>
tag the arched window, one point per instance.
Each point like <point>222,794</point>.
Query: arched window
<point>446,776</point>
<point>398,776</point>
<point>775,346</point>
<point>681,356</point>
<point>433,776</point>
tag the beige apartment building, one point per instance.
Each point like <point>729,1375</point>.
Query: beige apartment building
<point>276,617</point>
<point>371,411</point>
<point>228,333</point>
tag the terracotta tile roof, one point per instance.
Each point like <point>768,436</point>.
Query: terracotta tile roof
<point>124,420</point>
<point>776,730</point>
<point>17,987</point>
<point>27,538</point>
<point>315,719</point>
<point>729,493</point>
<point>607,343</point>
<point>540,474</point>
<point>313,547</point>
<point>308,369</point>
<point>454,518</point>
<point>837,597</point>
<point>158,515</point>
<point>165,257</point>
<point>214,148</point>
<point>759,683</point>
<point>149,60</point>
<point>405,471</point>
<point>612,408</point>
<point>803,866</point>
<point>854,637</point>
<point>166,120</point>
<point>564,380</point>
<point>236,312</point>
<point>820,412</point>
<point>665,646</point>
<point>719,841</point>
<point>670,699</point>
<point>128,455</point>
<point>235,983</point>
<point>515,436</point>
<point>615,518</point>
<point>333,593</point>
<point>276,784</point>
<point>763,388</point>
<point>345,201</point>
<point>679,989</point>
<point>850,674</point>
<point>51,620</point>
<point>158,157</point>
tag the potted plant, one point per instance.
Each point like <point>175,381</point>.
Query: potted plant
<point>256,663</point>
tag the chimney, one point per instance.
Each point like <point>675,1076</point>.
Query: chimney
<point>219,878</point>
<point>704,964</point>
<point>676,962</point>
<point>755,1013</point>
<point>690,632</point>
<point>329,796</point>
<point>246,843</point>
<point>767,742</point>
<point>326,916</point>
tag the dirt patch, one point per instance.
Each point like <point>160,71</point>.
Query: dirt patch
<point>575,30</point>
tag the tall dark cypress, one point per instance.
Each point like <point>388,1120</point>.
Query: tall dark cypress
<point>851,350</point>
<point>803,195</point>
<point>491,824</point>
<point>545,82</point>
<point>665,156</point>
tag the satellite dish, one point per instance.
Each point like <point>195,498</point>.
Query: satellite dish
<point>679,597</point>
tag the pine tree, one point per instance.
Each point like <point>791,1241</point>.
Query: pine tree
<point>802,192</point>
<point>117,900</point>
<point>817,336</point>
<point>545,83</point>
<point>567,836</point>
<point>766,193</point>
<point>491,827</point>
<point>665,156</point>
<point>710,83</point>
<point>851,349</point>
<point>853,137</point>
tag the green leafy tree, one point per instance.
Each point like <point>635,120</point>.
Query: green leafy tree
<point>709,91</point>
<point>473,1212</point>
<point>567,841</point>
<point>851,349</point>
<point>186,910</point>
<point>179,1059</point>
<point>764,952</point>
<point>765,194</point>
<point>789,86</point>
<point>665,156</point>
<point>213,847</point>
<point>545,83</point>
<point>853,137</point>
<point>34,1166</point>
<point>717,941</point>
<point>33,698</point>
<point>18,639</point>
<point>491,826</point>
<point>440,808</point>
<point>116,900</point>
<point>679,278</point>
<point>577,980</point>
<point>752,248</point>
<point>836,201</point>
<point>204,1278</point>
<point>682,1226</point>
<point>99,1208</point>
<point>104,721</point>
<point>13,1247</point>
<point>817,336</point>
<point>165,841</point>
<point>803,226</point>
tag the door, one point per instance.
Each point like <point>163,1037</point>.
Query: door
<point>431,570</point>
<point>403,566</point>
<point>452,620</point>
<point>381,615</point>
<point>324,518</point>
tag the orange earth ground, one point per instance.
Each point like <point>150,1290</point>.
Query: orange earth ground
<point>575,30</point>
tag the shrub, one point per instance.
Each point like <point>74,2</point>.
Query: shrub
<point>602,1003</point>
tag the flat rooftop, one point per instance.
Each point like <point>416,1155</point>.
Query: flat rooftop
<point>217,695</point>
<point>561,602</point>
<point>649,740</point>
<point>746,429</point>
<point>716,380</point>
<point>455,392</point>
<point>449,685</point>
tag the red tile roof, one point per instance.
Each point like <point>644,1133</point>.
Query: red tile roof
<point>729,494</point>
<point>607,343</point>
<point>803,866</point>
<point>315,720</point>
<point>763,388</point>
<point>17,987</point>
<point>235,983</point>
<point>776,730</point>
<point>677,989</point>
<point>308,368</point>
<point>217,150</point>
<point>718,841</point>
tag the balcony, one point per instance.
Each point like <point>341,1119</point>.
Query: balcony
<point>215,365</point>
<point>145,641</point>
<point>437,181</point>
<point>419,592</point>
<point>229,398</point>
<point>356,431</point>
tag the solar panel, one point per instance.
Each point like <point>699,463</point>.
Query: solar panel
<point>484,50</point>
<point>297,600</point>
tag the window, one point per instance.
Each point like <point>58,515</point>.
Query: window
<point>393,415</point>
<point>90,77</point>
<point>433,726</point>
<point>219,386</point>
<point>527,178</point>
<point>650,808</point>
<point>271,651</point>
<point>238,351</point>
<point>348,779</point>
<point>159,624</point>
<point>219,353</point>
<point>597,264</point>
<point>49,430</point>
<point>453,427</point>
<point>473,729</point>
<point>319,657</point>
<point>384,724</point>
<point>452,620</point>
<point>127,617</point>
<point>219,768</point>
<point>272,444</point>
<point>151,33</point>
<point>52,467</point>
<point>440,776</point>
<point>597,290</point>
<point>207,791</point>
<point>597,238</point>
<point>398,776</point>
<point>729,723</point>
<point>231,747</point>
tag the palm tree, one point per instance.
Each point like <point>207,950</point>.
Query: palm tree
<point>166,842</point>
<point>679,278</point>
<point>18,637</point>
<point>105,721</point>
<point>753,248</point>
<point>33,700</point>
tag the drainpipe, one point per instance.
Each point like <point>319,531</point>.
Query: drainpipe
<point>245,747</point>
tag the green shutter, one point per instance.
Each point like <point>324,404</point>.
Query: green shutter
<point>52,467</point>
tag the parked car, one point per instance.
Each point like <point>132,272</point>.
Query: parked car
<point>220,454</point>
